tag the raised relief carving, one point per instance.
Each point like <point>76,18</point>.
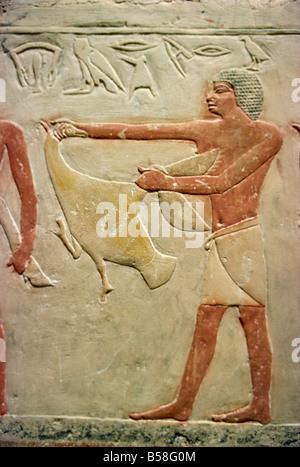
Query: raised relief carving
<point>79,196</point>
<point>133,45</point>
<point>141,77</point>
<point>256,53</point>
<point>296,126</point>
<point>21,240</point>
<point>36,65</point>
<point>3,406</point>
<point>177,53</point>
<point>96,69</point>
<point>233,185</point>
<point>193,165</point>
<point>209,50</point>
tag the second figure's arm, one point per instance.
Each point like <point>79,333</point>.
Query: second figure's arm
<point>249,162</point>
<point>13,138</point>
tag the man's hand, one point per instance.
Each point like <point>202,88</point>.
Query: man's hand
<point>19,260</point>
<point>66,129</point>
<point>63,128</point>
<point>154,180</point>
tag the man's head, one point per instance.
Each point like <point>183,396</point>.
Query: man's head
<point>222,100</point>
<point>247,89</point>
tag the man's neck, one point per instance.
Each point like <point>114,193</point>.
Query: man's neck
<point>236,116</point>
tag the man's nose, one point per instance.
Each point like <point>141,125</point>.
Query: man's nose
<point>209,96</point>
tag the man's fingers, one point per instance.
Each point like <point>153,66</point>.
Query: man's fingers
<point>61,120</point>
<point>59,131</point>
<point>45,124</point>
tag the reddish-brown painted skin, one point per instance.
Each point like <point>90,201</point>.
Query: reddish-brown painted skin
<point>233,183</point>
<point>3,408</point>
<point>12,138</point>
<point>247,149</point>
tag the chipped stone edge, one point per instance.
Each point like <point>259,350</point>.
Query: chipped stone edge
<point>55,430</point>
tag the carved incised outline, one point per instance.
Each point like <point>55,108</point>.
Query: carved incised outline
<point>222,182</point>
<point>96,69</point>
<point>233,183</point>
<point>43,78</point>
<point>79,195</point>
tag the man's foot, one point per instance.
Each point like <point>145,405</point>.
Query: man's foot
<point>166,411</point>
<point>35,275</point>
<point>251,413</point>
<point>3,408</point>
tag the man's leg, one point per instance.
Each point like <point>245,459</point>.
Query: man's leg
<point>2,372</point>
<point>254,322</point>
<point>199,358</point>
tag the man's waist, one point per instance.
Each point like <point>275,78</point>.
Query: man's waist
<point>241,225</point>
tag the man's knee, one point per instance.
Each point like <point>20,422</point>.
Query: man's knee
<point>209,312</point>
<point>250,313</point>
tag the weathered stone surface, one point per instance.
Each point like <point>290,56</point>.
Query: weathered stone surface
<point>92,94</point>
<point>66,431</point>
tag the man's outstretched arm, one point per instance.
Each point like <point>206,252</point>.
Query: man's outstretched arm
<point>191,131</point>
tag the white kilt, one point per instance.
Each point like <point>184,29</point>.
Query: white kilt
<point>235,273</point>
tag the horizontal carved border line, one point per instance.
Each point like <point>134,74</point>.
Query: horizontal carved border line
<point>102,30</point>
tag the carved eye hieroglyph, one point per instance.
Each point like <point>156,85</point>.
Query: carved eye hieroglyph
<point>211,50</point>
<point>133,46</point>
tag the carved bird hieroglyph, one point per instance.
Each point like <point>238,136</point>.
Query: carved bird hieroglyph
<point>256,53</point>
<point>95,69</point>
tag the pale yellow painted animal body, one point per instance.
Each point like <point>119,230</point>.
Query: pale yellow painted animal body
<point>79,195</point>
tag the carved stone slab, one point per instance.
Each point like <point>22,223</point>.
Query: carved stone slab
<point>149,211</point>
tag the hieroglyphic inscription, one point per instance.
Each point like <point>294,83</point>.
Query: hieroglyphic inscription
<point>141,77</point>
<point>256,54</point>
<point>38,71</point>
<point>95,68</point>
<point>137,76</point>
<point>38,74</point>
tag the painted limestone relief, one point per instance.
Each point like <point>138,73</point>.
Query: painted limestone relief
<point>141,77</point>
<point>79,195</point>
<point>21,240</point>
<point>244,147</point>
<point>3,406</point>
<point>96,69</point>
<point>255,52</point>
<point>41,71</point>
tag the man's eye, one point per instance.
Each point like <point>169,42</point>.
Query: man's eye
<point>220,91</point>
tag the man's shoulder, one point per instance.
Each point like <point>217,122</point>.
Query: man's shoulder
<point>7,124</point>
<point>267,126</point>
<point>270,131</point>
